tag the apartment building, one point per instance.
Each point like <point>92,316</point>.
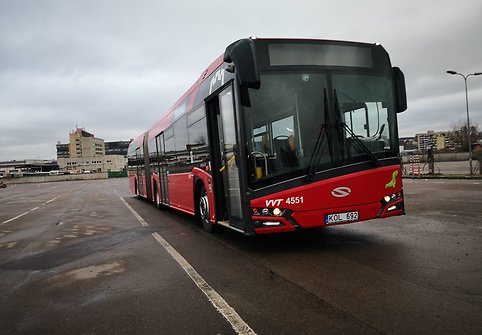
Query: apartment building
<point>431,140</point>
<point>84,144</point>
<point>87,153</point>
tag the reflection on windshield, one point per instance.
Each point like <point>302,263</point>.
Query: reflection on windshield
<point>286,116</point>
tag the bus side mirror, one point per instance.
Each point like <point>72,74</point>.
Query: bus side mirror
<point>243,54</point>
<point>400,92</point>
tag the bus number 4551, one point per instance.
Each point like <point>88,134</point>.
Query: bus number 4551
<point>294,200</point>
<point>289,201</point>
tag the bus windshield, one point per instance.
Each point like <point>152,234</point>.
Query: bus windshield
<point>299,122</point>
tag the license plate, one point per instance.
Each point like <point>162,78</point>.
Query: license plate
<point>341,217</point>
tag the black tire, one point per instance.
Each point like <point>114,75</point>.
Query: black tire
<point>203,210</point>
<point>157,199</point>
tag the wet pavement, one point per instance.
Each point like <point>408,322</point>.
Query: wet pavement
<point>74,259</point>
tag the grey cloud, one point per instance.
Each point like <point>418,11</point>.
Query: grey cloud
<point>114,67</point>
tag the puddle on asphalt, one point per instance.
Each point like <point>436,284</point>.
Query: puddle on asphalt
<point>76,231</point>
<point>87,273</point>
<point>8,245</point>
<point>96,215</point>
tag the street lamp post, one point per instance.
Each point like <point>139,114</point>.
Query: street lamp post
<point>467,106</point>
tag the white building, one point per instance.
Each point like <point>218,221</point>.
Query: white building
<point>431,140</point>
<point>109,163</point>
<point>87,154</point>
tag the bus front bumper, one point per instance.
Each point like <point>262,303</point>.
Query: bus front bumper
<point>326,217</point>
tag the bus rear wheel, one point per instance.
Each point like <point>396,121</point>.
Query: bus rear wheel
<point>203,210</point>
<point>158,199</point>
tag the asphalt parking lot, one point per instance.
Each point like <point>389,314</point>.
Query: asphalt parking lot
<point>87,257</point>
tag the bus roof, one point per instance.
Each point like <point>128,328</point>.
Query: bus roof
<point>168,117</point>
<point>187,100</point>
<point>137,142</point>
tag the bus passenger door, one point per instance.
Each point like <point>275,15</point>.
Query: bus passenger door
<point>162,170</point>
<point>224,154</point>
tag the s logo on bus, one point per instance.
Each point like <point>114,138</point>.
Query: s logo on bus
<point>341,192</point>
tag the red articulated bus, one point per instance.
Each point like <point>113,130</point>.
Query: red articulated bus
<point>278,135</point>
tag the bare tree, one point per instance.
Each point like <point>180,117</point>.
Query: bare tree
<point>458,135</point>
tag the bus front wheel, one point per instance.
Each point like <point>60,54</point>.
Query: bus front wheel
<point>203,210</point>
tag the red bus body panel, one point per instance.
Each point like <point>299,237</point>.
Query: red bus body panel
<point>181,188</point>
<point>181,191</point>
<point>361,192</point>
<point>132,182</point>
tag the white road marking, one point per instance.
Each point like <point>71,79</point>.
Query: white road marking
<point>27,195</point>
<point>237,323</point>
<point>48,202</point>
<point>19,216</point>
<point>30,211</point>
<point>12,196</point>
<point>138,217</point>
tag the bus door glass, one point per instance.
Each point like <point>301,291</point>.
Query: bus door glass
<point>162,169</point>
<point>228,154</point>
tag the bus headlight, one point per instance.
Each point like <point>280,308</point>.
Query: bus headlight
<point>392,197</point>
<point>392,202</point>
<point>268,211</point>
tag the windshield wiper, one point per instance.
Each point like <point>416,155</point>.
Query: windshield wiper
<point>357,143</point>
<point>325,131</point>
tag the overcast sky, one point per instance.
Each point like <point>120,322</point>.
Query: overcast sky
<point>113,67</point>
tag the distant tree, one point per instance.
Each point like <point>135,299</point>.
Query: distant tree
<point>458,135</point>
